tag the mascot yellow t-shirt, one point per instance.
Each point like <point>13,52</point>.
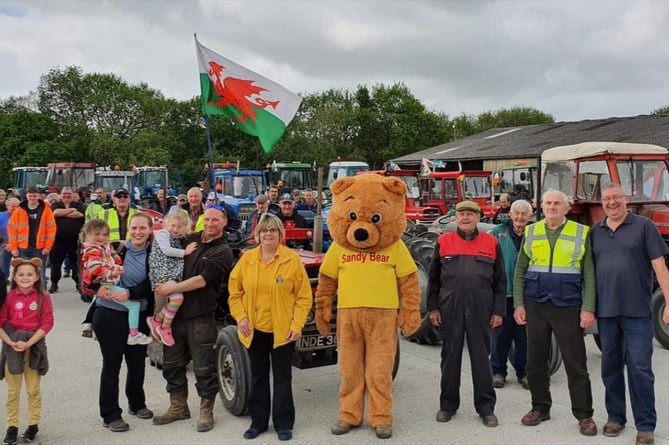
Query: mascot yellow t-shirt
<point>368,279</point>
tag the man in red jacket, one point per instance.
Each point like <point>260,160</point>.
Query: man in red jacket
<point>467,297</point>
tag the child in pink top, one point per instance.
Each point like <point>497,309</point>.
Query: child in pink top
<point>25,319</point>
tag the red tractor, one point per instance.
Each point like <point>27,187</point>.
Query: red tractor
<point>445,189</point>
<point>414,210</point>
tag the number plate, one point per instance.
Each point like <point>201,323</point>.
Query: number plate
<point>311,342</point>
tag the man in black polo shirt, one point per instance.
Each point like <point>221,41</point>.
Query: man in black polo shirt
<point>627,249</point>
<point>205,276</point>
<point>69,216</point>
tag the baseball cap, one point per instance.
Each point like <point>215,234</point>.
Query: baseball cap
<point>468,205</point>
<point>286,197</point>
<point>121,191</point>
<point>182,196</point>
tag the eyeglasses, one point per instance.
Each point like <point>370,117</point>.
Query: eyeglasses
<point>273,230</point>
<point>613,198</point>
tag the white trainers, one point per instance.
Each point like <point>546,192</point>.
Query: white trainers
<point>87,330</point>
<point>139,339</point>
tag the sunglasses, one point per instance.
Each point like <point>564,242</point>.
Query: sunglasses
<point>122,196</point>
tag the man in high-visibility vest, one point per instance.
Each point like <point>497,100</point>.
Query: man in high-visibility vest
<point>98,204</point>
<point>554,293</point>
<point>195,209</point>
<point>118,216</point>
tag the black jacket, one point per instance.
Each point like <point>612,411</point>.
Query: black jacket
<point>213,261</point>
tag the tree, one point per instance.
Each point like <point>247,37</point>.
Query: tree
<point>512,117</point>
<point>26,138</point>
<point>99,112</point>
<point>661,110</point>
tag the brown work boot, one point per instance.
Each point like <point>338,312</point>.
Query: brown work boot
<point>178,409</point>
<point>587,426</point>
<point>645,438</point>
<point>534,418</point>
<point>612,429</point>
<point>206,420</point>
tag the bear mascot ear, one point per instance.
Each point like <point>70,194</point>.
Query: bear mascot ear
<point>342,184</point>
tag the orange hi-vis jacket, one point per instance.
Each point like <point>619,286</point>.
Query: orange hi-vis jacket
<point>18,228</point>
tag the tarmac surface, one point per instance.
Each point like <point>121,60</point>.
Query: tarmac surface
<point>70,395</point>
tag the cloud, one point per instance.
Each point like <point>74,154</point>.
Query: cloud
<point>569,58</point>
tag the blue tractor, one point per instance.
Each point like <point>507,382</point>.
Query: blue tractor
<point>237,187</point>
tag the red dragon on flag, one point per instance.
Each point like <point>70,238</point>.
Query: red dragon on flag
<point>237,92</point>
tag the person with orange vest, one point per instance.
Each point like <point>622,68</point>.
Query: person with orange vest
<point>32,230</point>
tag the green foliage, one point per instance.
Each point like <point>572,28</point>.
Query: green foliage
<point>77,116</point>
<point>512,117</point>
<point>661,110</point>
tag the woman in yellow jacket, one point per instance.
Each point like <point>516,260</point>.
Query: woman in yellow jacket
<point>270,297</point>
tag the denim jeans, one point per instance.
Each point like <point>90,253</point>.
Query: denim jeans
<point>6,262</point>
<point>502,338</point>
<point>31,252</point>
<point>628,342</point>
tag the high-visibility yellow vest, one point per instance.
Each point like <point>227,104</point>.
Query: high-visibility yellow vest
<point>567,252</point>
<point>110,216</point>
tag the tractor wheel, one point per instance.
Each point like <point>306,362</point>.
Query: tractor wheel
<point>427,334</point>
<point>396,364</point>
<point>234,371</point>
<point>660,328</point>
<point>554,356</point>
<point>155,352</point>
<point>422,250</point>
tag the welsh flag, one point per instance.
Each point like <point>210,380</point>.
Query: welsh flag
<point>255,104</point>
<point>426,167</point>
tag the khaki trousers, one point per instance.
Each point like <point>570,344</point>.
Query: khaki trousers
<point>14,382</point>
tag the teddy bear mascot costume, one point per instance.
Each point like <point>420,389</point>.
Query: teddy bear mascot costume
<point>375,279</point>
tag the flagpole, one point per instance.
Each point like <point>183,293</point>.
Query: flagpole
<point>211,159</point>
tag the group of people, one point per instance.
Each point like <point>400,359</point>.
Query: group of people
<point>523,283</point>
<point>121,268</point>
<point>519,285</point>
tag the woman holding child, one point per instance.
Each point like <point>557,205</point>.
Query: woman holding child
<point>110,324</point>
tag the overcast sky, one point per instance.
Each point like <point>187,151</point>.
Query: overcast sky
<point>581,59</point>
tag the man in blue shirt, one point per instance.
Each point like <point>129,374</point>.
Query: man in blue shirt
<point>627,249</point>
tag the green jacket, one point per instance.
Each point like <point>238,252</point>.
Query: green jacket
<point>509,253</point>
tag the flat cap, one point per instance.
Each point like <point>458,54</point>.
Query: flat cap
<point>468,205</point>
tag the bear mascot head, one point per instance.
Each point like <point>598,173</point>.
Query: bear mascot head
<point>367,212</point>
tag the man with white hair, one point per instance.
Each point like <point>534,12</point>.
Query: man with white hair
<point>554,293</point>
<point>510,236</point>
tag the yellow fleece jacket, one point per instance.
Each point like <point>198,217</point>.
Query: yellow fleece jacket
<point>291,296</point>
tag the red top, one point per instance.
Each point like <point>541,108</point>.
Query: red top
<point>20,311</point>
